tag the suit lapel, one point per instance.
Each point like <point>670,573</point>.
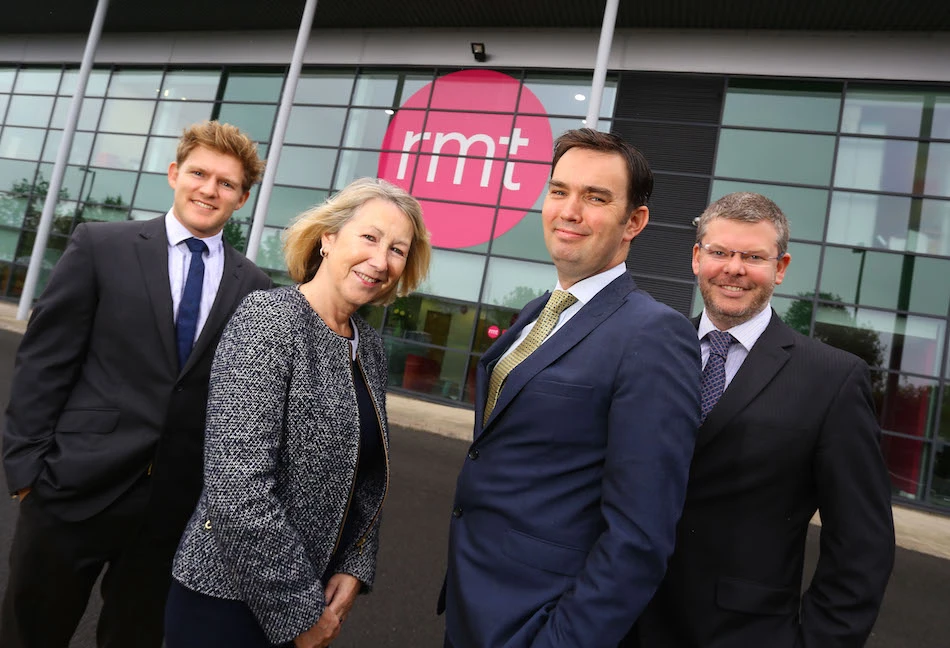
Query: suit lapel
<point>768,356</point>
<point>224,300</point>
<point>151,247</point>
<point>564,339</point>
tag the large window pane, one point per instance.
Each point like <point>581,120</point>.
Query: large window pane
<point>781,157</point>
<point>325,87</point>
<point>385,88</point>
<point>890,222</point>
<point>153,193</point>
<point>4,101</point>
<point>118,151</point>
<point>366,128</point>
<point>785,105</point>
<point>78,152</point>
<point>306,167</point>
<point>271,253</point>
<point>29,111</point>
<point>173,117</point>
<point>8,240</point>
<point>315,126</point>
<point>13,207</point>
<point>22,143</point>
<point>6,78</point>
<point>256,121</point>
<point>905,343</point>
<point>76,182</point>
<point>95,86</point>
<point>249,86</point>
<point>937,177</point>
<point>492,323</point>
<point>88,113</point>
<point>905,404</point>
<point>886,280</point>
<point>804,208</point>
<point>454,275</point>
<point>430,320</point>
<point>37,81</point>
<point>803,270</point>
<point>876,164</point>
<point>159,154</point>
<point>525,240</point>
<point>127,116</point>
<point>883,112</point>
<point>286,203</point>
<point>906,461</point>
<point>191,85</point>
<point>425,370</point>
<point>135,84</point>
<point>356,164</point>
<point>513,284</point>
<point>567,94</point>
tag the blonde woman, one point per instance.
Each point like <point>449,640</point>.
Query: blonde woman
<point>285,533</point>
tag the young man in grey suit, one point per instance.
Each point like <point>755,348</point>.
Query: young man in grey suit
<point>103,441</point>
<point>789,428</point>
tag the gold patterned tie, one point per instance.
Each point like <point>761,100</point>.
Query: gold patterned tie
<point>558,302</point>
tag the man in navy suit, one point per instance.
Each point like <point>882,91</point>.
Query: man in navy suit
<point>793,431</point>
<point>586,414</point>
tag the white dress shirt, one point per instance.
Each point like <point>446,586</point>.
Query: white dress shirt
<point>746,335</point>
<point>179,259</point>
<point>584,290</point>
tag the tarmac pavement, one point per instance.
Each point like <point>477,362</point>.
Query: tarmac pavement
<point>400,610</point>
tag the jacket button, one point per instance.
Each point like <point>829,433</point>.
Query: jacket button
<point>473,454</point>
<point>457,512</point>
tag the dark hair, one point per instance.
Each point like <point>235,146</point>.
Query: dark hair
<point>639,175</point>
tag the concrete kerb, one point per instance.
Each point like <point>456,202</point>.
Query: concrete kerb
<point>917,530</point>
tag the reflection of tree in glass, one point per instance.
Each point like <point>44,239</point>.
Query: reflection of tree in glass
<point>520,296</point>
<point>233,235</point>
<point>847,333</point>
<point>23,204</point>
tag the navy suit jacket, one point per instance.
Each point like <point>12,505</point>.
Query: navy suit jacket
<point>794,431</point>
<point>566,506</point>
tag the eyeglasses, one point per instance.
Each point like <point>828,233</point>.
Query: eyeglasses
<point>722,255</point>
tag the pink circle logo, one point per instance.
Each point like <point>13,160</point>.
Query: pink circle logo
<point>469,147</point>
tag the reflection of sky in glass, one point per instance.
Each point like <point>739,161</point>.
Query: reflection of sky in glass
<point>514,283</point>
<point>789,108</point>
<point>454,275</point>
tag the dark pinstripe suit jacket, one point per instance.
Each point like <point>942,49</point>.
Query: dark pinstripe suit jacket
<point>795,431</point>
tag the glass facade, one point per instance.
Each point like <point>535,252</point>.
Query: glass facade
<point>863,173</point>
<point>862,170</point>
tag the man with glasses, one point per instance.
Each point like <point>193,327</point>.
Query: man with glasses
<point>788,428</point>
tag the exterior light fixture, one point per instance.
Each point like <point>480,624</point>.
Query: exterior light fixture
<point>478,51</point>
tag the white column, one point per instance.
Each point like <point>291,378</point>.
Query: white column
<point>59,168</point>
<point>280,129</point>
<point>600,66</point>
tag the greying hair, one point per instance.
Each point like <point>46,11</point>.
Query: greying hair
<point>303,239</point>
<point>746,207</point>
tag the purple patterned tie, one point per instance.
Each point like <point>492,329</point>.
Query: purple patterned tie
<point>714,373</point>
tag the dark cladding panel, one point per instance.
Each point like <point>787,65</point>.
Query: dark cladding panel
<point>677,200</point>
<point>676,295</point>
<point>670,97</point>
<point>684,148</point>
<point>663,251</point>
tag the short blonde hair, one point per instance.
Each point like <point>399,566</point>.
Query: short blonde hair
<point>226,139</point>
<point>303,238</point>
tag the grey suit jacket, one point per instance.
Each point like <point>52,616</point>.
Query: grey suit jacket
<point>98,400</point>
<point>281,452</point>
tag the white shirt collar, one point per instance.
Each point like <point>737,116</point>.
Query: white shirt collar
<point>177,233</point>
<point>586,289</point>
<point>746,334</point>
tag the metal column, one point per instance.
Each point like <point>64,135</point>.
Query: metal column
<point>600,66</point>
<point>59,168</point>
<point>280,129</point>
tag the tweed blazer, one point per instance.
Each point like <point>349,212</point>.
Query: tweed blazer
<point>281,450</point>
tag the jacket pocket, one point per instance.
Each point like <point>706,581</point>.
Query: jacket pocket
<point>543,554</point>
<point>740,595</point>
<point>562,389</point>
<point>96,421</point>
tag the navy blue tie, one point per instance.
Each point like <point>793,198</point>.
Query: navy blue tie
<point>190,306</point>
<point>714,373</point>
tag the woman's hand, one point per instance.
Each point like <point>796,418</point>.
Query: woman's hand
<point>341,592</point>
<point>321,633</point>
